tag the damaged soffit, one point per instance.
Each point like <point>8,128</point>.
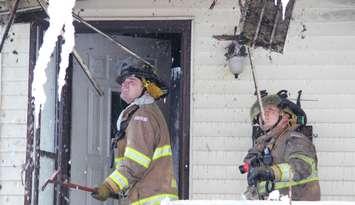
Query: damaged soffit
<point>272,32</point>
<point>262,24</point>
<point>6,5</point>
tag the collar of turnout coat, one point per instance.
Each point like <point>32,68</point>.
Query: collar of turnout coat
<point>143,100</point>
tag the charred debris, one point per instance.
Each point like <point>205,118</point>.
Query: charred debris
<point>262,24</point>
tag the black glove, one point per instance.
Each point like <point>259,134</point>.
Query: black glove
<point>256,174</point>
<point>253,157</point>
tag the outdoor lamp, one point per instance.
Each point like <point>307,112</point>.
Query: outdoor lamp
<point>236,56</point>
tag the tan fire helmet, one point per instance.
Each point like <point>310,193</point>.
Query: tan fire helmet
<point>296,113</point>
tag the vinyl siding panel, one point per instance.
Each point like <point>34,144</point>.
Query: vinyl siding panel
<point>242,115</point>
<point>13,113</point>
<point>11,144</point>
<point>9,199</point>
<point>320,61</point>
<point>21,88</point>
<point>321,64</point>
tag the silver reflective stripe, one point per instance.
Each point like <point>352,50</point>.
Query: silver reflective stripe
<point>286,184</point>
<point>285,170</point>
<point>162,151</point>
<point>119,179</point>
<point>137,157</point>
<point>282,185</point>
<point>118,162</point>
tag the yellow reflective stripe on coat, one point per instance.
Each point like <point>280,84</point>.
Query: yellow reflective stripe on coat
<point>162,151</point>
<point>118,161</point>
<point>285,184</point>
<point>282,185</point>
<point>284,170</point>
<point>308,160</point>
<point>173,183</point>
<point>155,200</point>
<point>119,179</point>
<point>137,157</point>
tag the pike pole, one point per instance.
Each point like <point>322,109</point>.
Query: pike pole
<point>262,113</point>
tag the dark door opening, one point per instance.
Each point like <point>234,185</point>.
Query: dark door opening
<point>178,111</point>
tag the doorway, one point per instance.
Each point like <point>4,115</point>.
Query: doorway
<point>166,44</point>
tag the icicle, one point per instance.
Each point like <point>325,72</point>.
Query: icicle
<point>67,46</point>
<point>284,6</point>
<point>56,11</point>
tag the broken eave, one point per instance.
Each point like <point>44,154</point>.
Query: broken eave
<point>27,11</point>
<point>262,24</point>
<point>6,6</point>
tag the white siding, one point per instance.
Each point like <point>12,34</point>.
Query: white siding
<point>13,113</point>
<point>321,64</point>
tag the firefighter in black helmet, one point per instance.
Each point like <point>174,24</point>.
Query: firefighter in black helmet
<point>151,82</point>
<point>143,155</point>
<point>287,158</point>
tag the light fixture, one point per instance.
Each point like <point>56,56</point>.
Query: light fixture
<point>236,57</point>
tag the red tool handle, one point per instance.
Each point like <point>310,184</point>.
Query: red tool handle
<point>83,188</point>
<point>77,186</point>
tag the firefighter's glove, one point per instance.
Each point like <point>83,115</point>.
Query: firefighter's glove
<point>253,157</point>
<point>257,174</point>
<point>101,193</point>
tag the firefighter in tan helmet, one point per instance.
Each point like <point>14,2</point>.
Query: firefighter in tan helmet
<point>282,158</point>
<point>144,164</point>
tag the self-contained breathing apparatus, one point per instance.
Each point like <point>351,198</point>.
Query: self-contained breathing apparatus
<point>298,117</point>
<point>298,120</point>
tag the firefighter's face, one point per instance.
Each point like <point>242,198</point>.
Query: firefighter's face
<point>272,114</point>
<point>131,88</point>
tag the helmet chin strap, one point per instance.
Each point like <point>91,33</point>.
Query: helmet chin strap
<point>143,90</point>
<point>277,123</point>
